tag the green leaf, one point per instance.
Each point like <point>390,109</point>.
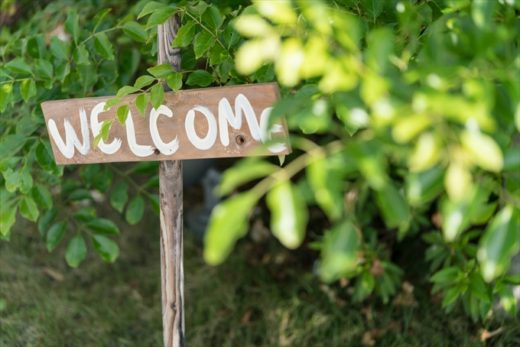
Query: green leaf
<point>228,223</point>
<point>11,144</point>
<point>380,46</point>
<point>42,196</point>
<point>135,210</point>
<point>103,226</point>
<point>6,90</point>
<point>247,170</point>
<point>29,209</point>
<point>499,243</point>
<point>150,7</point>
<point>7,217</point>
<point>339,251</point>
<point>55,235</point>
<point>119,196</point>
<point>508,300</point>
<point>160,16</point>
<point>18,66</point>
<point>157,95</point>
<point>135,31</point>
<point>184,35</point>
<point>483,150</point>
<point>161,70</point>
<point>199,78</point>
<point>202,43</point>
<point>12,180</point>
<point>392,204</point>
<point>43,69</point>
<point>27,89</point>
<point>60,49</point>
<point>512,159</point>
<point>76,251</point>
<point>81,55</point>
<point>122,113</point>
<point>174,81</point>
<point>424,186</point>
<point>72,25</point>
<point>103,46</point>
<point>212,18</point>
<point>327,186</point>
<point>446,276</point>
<point>85,214</point>
<point>288,214</point>
<point>141,102</point>
<point>143,81</point>
<point>125,90</point>
<point>107,249</point>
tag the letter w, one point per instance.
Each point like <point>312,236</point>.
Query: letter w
<point>71,139</point>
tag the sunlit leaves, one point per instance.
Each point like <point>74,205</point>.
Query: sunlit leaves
<point>143,81</point>
<point>339,251</point>
<point>174,81</point>
<point>228,223</point>
<point>246,171</point>
<point>27,89</point>
<point>288,214</point>
<point>7,214</point>
<point>5,95</point>
<point>500,242</point>
<point>157,95</point>
<point>483,150</point>
<point>161,70</point>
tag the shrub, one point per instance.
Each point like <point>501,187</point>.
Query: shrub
<point>404,118</point>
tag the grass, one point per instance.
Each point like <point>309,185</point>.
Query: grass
<point>262,296</point>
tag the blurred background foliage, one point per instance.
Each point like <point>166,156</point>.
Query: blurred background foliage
<point>404,115</point>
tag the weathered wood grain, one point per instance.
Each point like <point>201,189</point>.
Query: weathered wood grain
<point>171,195</point>
<point>241,142</point>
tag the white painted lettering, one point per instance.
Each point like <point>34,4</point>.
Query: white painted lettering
<point>209,140</point>
<point>226,117</point>
<point>138,150</point>
<point>71,138</point>
<point>275,129</point>
<point>167,148</point>
<point>95,126</point>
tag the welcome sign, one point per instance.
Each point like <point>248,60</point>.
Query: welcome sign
<point>228,121</point>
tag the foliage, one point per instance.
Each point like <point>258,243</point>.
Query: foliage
<point>405,119</point>
<point>411,113</point>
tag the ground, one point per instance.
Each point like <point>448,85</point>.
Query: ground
<point>262,296</point>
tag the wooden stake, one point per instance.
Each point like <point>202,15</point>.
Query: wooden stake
<point>170,188</point>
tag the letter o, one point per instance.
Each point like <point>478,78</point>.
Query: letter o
<point>209,140</point>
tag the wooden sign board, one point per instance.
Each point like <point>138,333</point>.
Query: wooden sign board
<point>227,121</point>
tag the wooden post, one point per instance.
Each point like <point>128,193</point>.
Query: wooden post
<point>170,188</point>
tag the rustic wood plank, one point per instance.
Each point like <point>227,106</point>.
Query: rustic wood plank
<point>241,140</point>
<point>171,195</point>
